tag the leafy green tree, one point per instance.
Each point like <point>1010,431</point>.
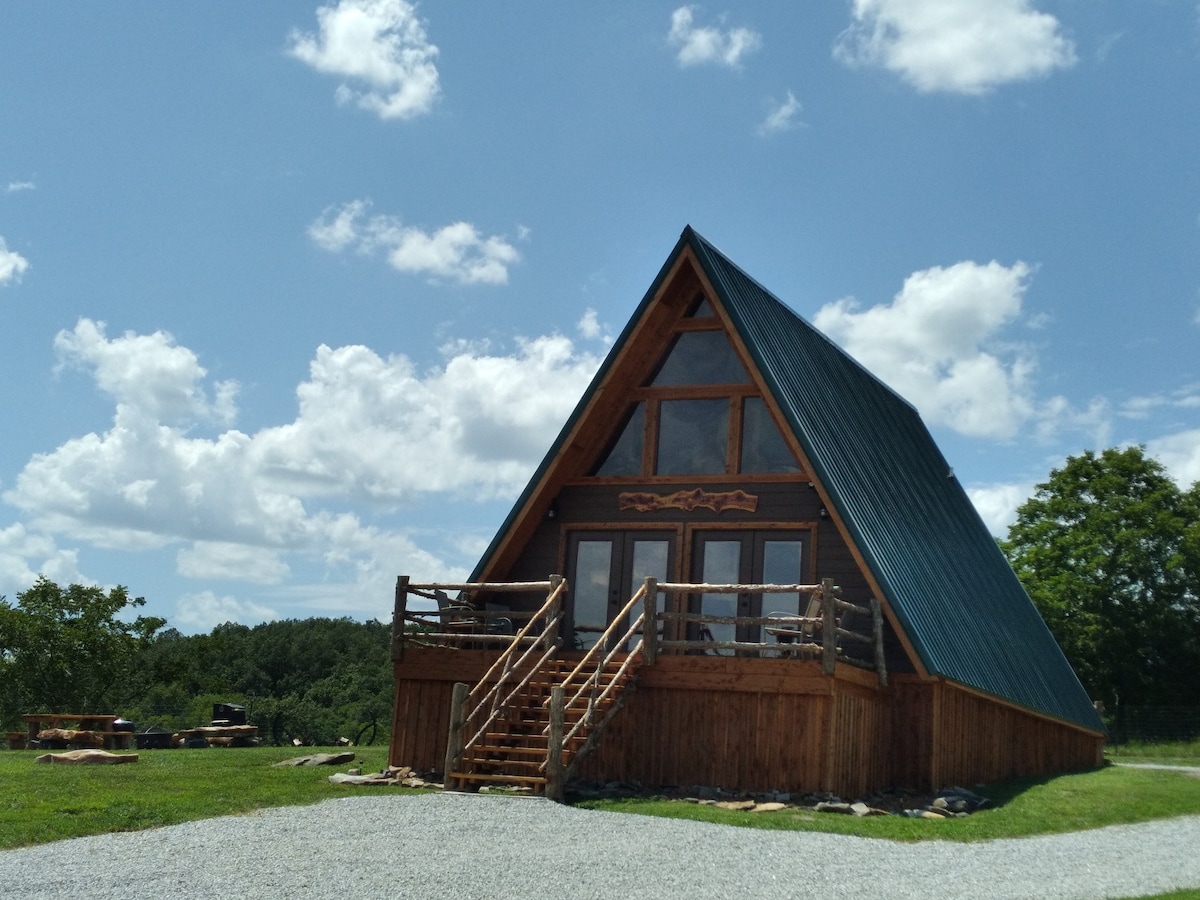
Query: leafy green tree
<point>67,649</point>
<point>1109,550</point>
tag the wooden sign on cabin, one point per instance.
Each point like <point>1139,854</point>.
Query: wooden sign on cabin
<point>743,523</point>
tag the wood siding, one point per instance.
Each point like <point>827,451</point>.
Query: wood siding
<point>761,724</point>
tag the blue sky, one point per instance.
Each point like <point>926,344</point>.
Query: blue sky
<point>293,299</point>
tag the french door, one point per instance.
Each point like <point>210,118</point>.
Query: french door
<point>747,557</point>
<point>605,569</point>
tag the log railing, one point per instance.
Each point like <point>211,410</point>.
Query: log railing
<point>597,684</point>
<point>478,708</point>
<point>809,635</point>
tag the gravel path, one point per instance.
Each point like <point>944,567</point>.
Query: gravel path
<point>477,846</point>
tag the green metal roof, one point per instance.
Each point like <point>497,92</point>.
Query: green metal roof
<point>942,573</point>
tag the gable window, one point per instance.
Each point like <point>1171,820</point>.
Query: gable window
<point>698,413</point>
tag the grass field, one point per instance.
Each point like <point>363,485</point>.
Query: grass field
<point>40,803</point>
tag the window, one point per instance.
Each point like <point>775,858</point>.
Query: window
<point>698,413</point>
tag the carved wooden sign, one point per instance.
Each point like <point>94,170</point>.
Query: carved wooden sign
<point>718,502</point>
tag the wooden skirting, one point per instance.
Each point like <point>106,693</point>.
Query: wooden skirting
<point>770,724</point>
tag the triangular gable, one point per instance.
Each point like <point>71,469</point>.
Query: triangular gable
<point>947,588</point>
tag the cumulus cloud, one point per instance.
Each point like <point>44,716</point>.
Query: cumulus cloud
<point>458,252</point>
<point>24,555</point>
<point>17,186</point>
<point>956,46</point>
<point>202,612</point>
<point>782,117</point>
<point>12,264</point>
<point>933,344</point>
<point>1180,454</point>
<point>251,507</point>
<point>997,504</point>
<point>147,374</point>
<point>697,45</point>
<point>381,47</point>
<point>940,344</point>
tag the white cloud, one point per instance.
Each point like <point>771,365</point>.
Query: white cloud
<point>781,117</point>
<point>939,344</point>
<point>202,612</point>
<point>997,504</point>
<point>457,252</point>
<point>237,562</point>
<point>12,264</point>
<point>698,46</point>
<point>25,555</point>
<point>253,507</point>
<point>147,375</point>
<point>957,46</point>
<point>590,327</point>
<point>16,186</point>
<point>1180,454</point>
<point>377,43</point>
<point>933,345</point>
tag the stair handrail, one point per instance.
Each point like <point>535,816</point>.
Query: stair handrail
<point>597,647</point>
<point>552,611</point>
<point>602,662</point>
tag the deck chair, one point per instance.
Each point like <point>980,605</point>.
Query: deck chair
<point>797,637</point>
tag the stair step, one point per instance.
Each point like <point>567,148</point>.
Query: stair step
<point>475,776</point>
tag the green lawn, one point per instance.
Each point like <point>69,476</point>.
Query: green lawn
<point>1021,808</point>
<point>40,803</point>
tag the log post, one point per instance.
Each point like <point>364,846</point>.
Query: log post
<point>828,626</point>
<point>458,706</point>
<point>554,745</point>
<point>398,614</point>
<point>877,626</point>
<point>554,613</point>
<point>650,622</point>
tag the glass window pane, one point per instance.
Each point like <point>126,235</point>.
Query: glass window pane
<point>782,565</point>
<point>593,563</point>
<point>763,447</point>
<point>649,561</point>
<point>703,310</point>
<point>692,437</point>
<point>701,357</point>
<point>625,458</point>
<point>722,565</point>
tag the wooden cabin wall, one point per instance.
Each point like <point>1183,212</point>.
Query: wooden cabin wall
<point>980,740</point>
<point>763,725</point>
<point>425,680</point>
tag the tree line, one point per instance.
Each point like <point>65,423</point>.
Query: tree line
<point>68,650</point>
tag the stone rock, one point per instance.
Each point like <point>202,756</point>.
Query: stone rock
<point>708,793</point>
<point>376,778</point>
<point>317,759</point>
<point>833,807</point>
<point>87,757</point>
<point>736,804</point>
<point>769,806</point>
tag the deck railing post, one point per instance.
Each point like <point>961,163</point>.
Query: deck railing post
<point>454,740</point>
<point>828,626</point>
<point>398,614</point>
<point>877,626</point>
<point>554,745</point>
<point>650,622</point>
<point>554,613</point>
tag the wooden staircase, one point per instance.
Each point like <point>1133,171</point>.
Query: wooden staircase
<point>533,717</point>
<point>514,751</point>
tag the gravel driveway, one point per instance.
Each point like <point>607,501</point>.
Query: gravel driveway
<point>479,846</point>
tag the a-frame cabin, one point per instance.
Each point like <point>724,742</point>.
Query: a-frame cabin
<point>829,611</point>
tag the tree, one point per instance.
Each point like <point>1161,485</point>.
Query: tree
<point>1109,550</point>
<point>66,650</point>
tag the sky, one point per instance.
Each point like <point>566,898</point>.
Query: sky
<point>294,297</point>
